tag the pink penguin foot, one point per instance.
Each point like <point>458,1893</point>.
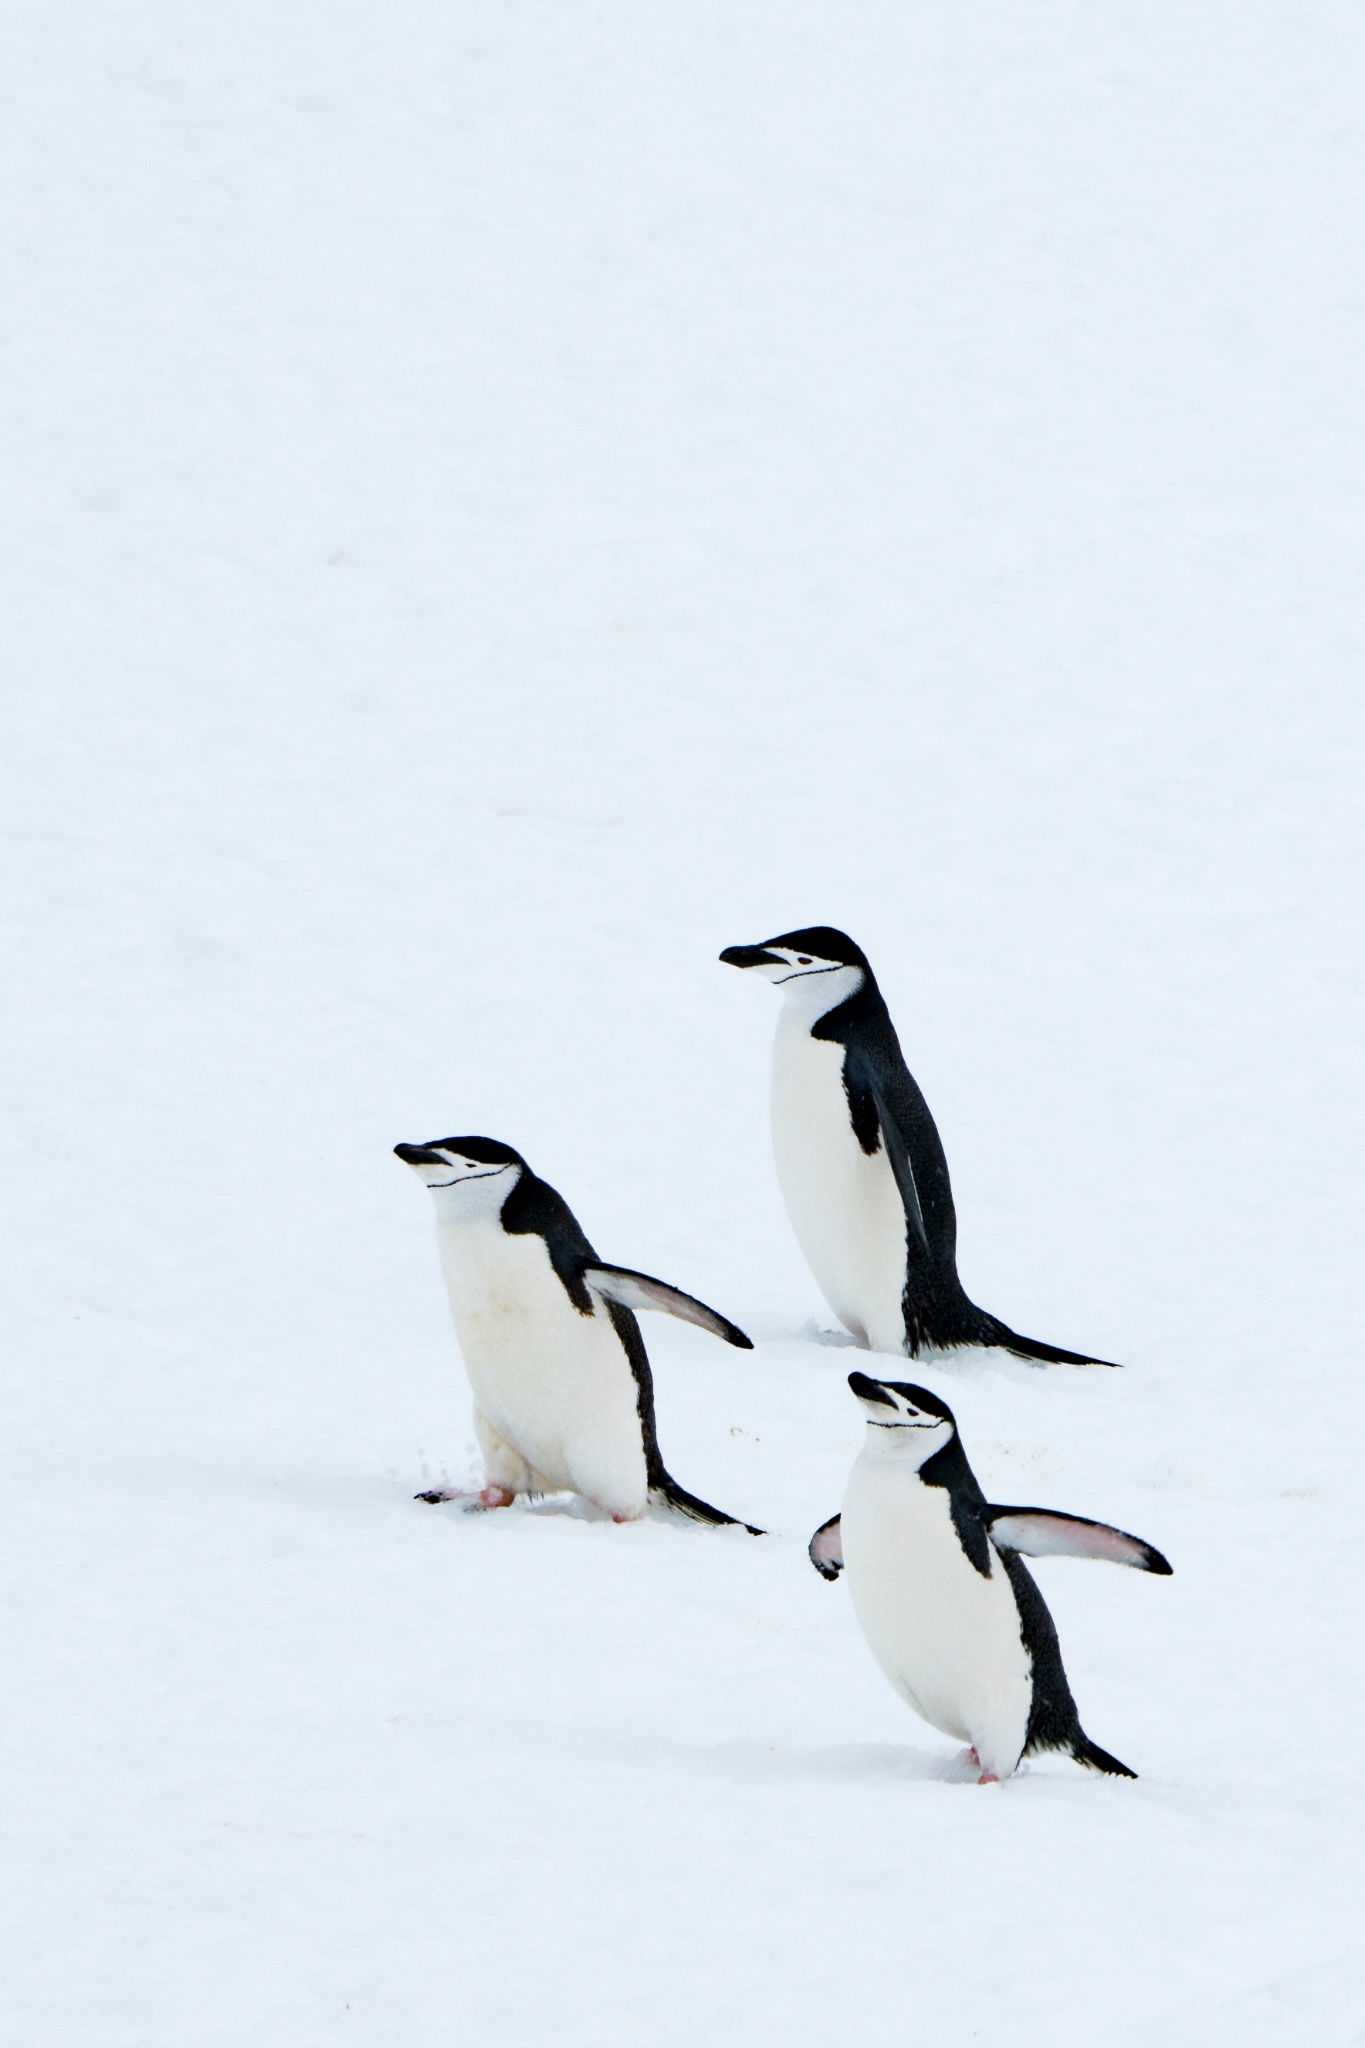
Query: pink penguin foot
<point>988,1778</point>
<point>489,1497</point>
<point>969,1756</point>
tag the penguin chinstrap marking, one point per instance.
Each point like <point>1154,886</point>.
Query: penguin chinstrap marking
<point>942,1594</point>
<point>860,1162</point>
<point>563,1394</point>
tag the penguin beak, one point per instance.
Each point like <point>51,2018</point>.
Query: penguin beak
<point>868,1390</point>
<point>751,956</point>
<point>418,1155</point>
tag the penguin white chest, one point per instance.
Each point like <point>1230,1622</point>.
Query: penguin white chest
<point>947,1638</point>
<point>843,1203</point>
<point>556,1384</point>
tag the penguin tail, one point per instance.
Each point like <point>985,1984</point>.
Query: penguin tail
<point>1007,1339</point>
<point>669,1494</point>
<point>1096,1759</point>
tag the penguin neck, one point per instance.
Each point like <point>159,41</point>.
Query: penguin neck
<point>949,1469</point>
<point>807,998</point>
<point>477,1199</point>
<point>900,1444</point>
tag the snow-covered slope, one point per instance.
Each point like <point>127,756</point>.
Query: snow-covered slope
<point>501,501</point>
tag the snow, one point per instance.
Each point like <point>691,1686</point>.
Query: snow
<point>502,501</point>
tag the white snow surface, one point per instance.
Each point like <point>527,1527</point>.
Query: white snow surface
<point>501,501</point>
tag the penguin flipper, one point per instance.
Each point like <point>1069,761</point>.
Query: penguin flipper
<point>639,1291</point>
<point>1005,1339</point>
<point>826,1548</point>
<point>1038,1532</point>
<point>899,1157</point>
<point>667,1491</point>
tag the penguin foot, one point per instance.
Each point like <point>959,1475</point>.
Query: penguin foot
<point>988,1778</point>
<point>488,1497</point>
<point>969,1756</point>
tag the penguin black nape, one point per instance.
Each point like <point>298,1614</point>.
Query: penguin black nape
<point>859,1159</point>
<point>942,1594</point>
<point>563,1394</point>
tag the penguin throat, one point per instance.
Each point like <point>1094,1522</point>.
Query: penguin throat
<point>916,1444</point>
<point>472,1197</point>
<point>811,993</point>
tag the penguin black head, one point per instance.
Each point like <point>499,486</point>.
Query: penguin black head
<point>477,1172</point>
<point>817,961</point>
<point>903,1418</point>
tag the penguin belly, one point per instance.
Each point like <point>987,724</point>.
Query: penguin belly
<point>948,1639</point>
<point>843,1203</point>
<point>555,1384</point>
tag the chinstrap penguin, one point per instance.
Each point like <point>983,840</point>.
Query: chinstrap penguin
<point>941,1592</point>
<point>563,1394</point>
<point>860,1162</point>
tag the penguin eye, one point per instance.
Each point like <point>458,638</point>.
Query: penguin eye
<point>803,959</point>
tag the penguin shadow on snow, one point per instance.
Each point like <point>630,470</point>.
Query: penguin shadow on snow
<point>876,1763</point>
<point>880,1762</point>
<point>458,1505</point>
<point>968,1363</point>
<point>865,1762</point>
<point>812,1332</point>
